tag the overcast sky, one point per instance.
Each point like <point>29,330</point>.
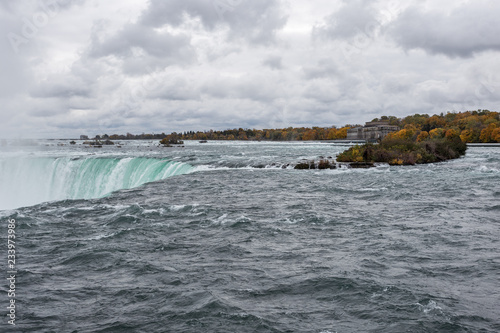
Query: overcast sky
<point>71,67</point>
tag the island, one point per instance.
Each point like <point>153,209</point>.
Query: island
<point>408,146</point>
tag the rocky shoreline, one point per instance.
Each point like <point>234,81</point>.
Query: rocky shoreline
<point>324,164</point>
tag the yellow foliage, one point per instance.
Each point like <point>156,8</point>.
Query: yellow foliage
<point>495,134</point>
<point>435,122</point>
<point>411,131</point>
<point>486,133</point>
<point>467,135</point>
<point>342,132</point>
<point>451,134</point>
<point>390,136</point>
<point>396,161</point>
<point>437,133</point>
<point>332,134</point>
<point>422,136</point>
<point>310,135</point>
<point>402,134</point>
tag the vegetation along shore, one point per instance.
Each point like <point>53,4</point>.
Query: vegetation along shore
<point>481,126</point>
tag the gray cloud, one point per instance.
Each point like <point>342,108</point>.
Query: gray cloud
<point>177,89</point>
<point>258,88</point>
<point>61,87</point>
<point>353,18</point>
<point>324,68</point>
<point>255,21</point>
<point>133,35</point>
<point>143,49</point>
<point>323,91</point>
<point>273,62</point>
<point>466,30</point>
<point>161,66</point>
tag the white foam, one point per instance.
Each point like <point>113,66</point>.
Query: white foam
<point>486,169</point>
<point>429,307</point>
<point>176,208</point>
<point>372,189</point>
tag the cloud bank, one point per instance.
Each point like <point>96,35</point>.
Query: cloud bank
<point>72,67</point>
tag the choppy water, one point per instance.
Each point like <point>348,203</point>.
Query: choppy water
<point>230,242</point>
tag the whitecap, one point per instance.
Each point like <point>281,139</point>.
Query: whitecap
<point>431,306</point>
<point>486,169</point>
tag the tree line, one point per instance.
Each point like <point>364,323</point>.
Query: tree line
<point>278,134</point>
<point>470,126</point>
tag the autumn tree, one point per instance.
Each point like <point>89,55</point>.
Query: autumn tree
<point>310,135</point>
<point>495,135</point>
<point>434,122</point>
<point>486,133</point>
<point>424,135</point>
<point>342,132</point>
<point>437,133</point>
<point>332,134</point>
<point>469,135</point>
<point>451,134</point>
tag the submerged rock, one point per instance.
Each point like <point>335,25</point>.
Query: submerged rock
<point>326,164</point>
<point>302,166</point>
<point>320,165</point>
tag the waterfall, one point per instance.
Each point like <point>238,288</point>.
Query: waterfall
<point>28,181</point>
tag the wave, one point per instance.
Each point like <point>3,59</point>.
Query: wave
<point>29,181</point>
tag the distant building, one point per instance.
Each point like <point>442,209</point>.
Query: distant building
<point>84,137</point>
<point>373,130</point>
